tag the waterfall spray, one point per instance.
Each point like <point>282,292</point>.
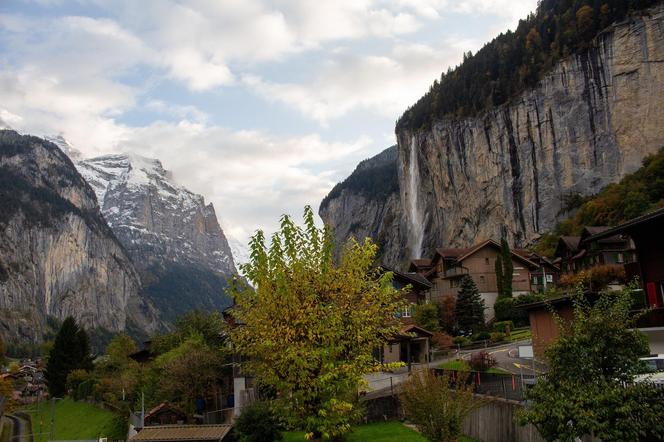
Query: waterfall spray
<point>415,218</point>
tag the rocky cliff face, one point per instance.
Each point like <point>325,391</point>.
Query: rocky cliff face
<point>173,237</point>
<point>57,255</point>
<point>590,121</point>
<point>367,204</point>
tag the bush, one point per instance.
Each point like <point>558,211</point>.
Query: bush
<point>427,316</point>
<point>497,337</point>
<point>482,361</point>
<point>508,309</point>
<point>481,336</point>
<point>436,410</point>
<point>258,422</point>
<point>504,327</point>
<point>442,340</point>
<point>596,278</point>
<point>461,340</point>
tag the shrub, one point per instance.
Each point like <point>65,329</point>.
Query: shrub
<point>461,340</point>
<point>436,410</point>
<point>596,278</point>
<point>482,361</point>
<point>481,336</point>
<point>442,340</point>
<point>497,337</point>
<point>75,379</point>
<point>504,326</point>
<point>427,316</point>
<point>504,309</point>
<point>258,422</point>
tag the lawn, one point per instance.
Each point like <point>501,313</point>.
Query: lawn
<point>378,432</point>
<point>73,420</point>
<point>520,334</point>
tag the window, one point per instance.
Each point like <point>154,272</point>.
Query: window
<point>481,279</point>
<point>406,313</point>
<point>621,258</point>
<point>549,278</point>
<point>486,261</point>
<point>534,280</point>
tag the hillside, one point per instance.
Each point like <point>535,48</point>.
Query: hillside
<point>636,194</point>
<point>366,203</point>
<point>171,234</point>
<point>467,173</point>
<point>516,61</point>
<point>58,257</point>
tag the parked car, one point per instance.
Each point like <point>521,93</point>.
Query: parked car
<point>654,371</point>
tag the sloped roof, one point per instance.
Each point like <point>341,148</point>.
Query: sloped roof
<point>571,242</point>
<point>654,216</point>
<point>490,242</point>
<point>182,433</point>
<point>451,252</point>
<point>412,277</point>
<point>412,328</point>
<point>163,406</point>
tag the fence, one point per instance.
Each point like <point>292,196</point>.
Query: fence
<point>512,387</point>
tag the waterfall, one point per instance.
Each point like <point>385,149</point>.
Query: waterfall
<point>415,218</point>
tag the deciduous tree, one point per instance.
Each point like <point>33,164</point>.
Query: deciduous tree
<point>590,387</point>
<point>309,326</point>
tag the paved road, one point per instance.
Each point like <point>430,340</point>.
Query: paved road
<point>506,357</point>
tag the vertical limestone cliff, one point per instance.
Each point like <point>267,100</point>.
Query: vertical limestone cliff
<point>590,121</point>
<point>58,256</point>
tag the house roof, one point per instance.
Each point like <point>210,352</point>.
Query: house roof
<point>411,277</point>
<point>451,252</point>
<point>492,243</point>
<point>182,433</point>
<point>161,407</point>
<point>422,262</point>
<point>653,216</point>
<point>412,328</point>
<point>571,242</point>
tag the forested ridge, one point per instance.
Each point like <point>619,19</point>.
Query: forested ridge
<point>636,194</point>
<point>517,60</point>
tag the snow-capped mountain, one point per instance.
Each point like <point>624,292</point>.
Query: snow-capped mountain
<point>173,237</point>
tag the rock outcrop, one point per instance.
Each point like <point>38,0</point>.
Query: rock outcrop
<point>367,204</point>
<point>589,121</point>
<point>58,257</point>
<point>172,236</point>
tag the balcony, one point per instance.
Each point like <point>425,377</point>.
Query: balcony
<point>455,272</point>
<point>651,319</point>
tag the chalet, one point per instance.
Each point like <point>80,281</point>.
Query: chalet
<point>412,344</point>
<point>646,261</point>
<point>594,248</point>
<point>448,266</point>
<point>639,245</point>
<point>165,414</point>
<point>547,274</point>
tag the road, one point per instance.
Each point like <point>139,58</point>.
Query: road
<point>507,358</point>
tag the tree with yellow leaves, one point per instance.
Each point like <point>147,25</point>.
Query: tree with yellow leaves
<point>308,327</point>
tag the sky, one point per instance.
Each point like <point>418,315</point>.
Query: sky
<point>260,106</point>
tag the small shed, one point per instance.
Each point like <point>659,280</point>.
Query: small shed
<point>165,414</point>
<point>189,433</point>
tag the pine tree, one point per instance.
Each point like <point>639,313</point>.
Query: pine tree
<point>499,275</point>
<point>469,307</point>
<point>508,269</point>
<point>70,351</point>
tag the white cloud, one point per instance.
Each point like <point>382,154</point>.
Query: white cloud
<point>81,76</point>
<point>383,84</point>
